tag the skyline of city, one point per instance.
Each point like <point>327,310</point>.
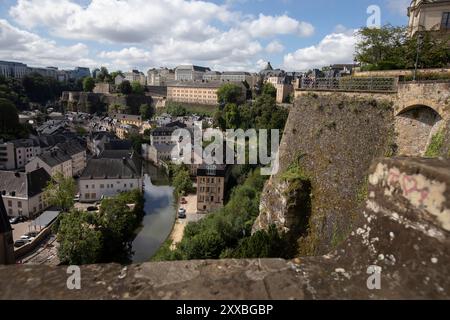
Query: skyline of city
<point>223,35</point>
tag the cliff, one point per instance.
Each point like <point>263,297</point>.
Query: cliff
<point>328,145</point>
<point>98,102</point>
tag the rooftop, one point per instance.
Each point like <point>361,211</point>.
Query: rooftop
<point>107,168</point>
<point>54,158</point>
<point>23,185</point>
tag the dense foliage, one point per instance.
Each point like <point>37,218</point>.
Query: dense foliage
<point>88,84</point>
<point>146,111</point>
<point>263,113</point>
<point>392,48</point>
<point>229,93</point>
<point>181,180</point>
<point>60,192</point>
<point>103,236</point>
<point>125,87</point>
<point>137,88</point>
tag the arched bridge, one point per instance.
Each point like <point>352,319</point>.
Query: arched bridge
<point>421,109</point>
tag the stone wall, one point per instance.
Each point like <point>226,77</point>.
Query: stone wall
<point>334,138</point>
<point>99,102</point>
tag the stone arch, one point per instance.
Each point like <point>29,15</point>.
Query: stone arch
<point>412,104</point>
<point>415,126</point>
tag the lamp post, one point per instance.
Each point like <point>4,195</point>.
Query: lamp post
<point>419,43</point>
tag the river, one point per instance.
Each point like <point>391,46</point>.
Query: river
<point>160,214</point>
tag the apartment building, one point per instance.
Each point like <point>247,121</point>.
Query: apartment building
<point>136,76</point>
<point>107,177</point>
<point>236,76</point>
<point>211,184</point>
<point>190,73</point>
<point>22,193</point>
<point>212,76</point>
<point>160,77</point>
<point>196,92</point>
<point>53,162</point>
<point>13,69</point>
<point>429,15</point>
<point>76,152</point>
<point>130,119</point>
<point>17,153</point>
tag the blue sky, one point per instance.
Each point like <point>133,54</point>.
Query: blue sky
<point>221,34</point>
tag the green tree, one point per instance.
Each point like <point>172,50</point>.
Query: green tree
<point>9,117</point>
<point>88,84</point>
<point>146,111</point>
<point>137,88</point>
<point>219,120</point>
<point>232,117</point>
<point>114,74</point>
<point>79,241</point>
<point>392,48</point>
<point>229,93</point>
<point>182,182</point>
<point>60,192</point>
<point>103,75</point>
<point>269,89</point>
<point>176,109</point>
<point>125,87</point>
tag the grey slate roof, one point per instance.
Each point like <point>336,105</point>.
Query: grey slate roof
<point>5,226</point>
<point>70,148</point>
<point>54,158</point>
<point>23,185</point>
<point>106,168</point>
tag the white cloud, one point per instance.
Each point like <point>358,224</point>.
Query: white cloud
<point>334,48</point>
<point>274,47</point>
<point>266,26</point>
<point>161,31</point>
<point>20,45</point>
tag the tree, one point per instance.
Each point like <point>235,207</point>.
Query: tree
<point>137,88</point>
<point>182,182</point>
<point>125,87</point>
<point>269,89</point>
<point>114,74</point>
<point>229,93</point>
<point>219,120</point>
<point>9,117</point>
<point>392,48</point>
<point>60,192</point>
<point>232,117</point>
<point>79,241</point>
<point>103,75</point>
<point>88,84</point>
<point>146,111</point>
<point>176,109</point>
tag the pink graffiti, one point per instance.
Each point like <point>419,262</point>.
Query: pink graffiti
<point>408,184</point>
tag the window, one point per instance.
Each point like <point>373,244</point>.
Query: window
<point>86,195</point>
<point>102,186</point>
<point>445,24</point>
<point>9,203</point>
<point>93,196</point>
<point>87,187</point>
<point>19,204</point>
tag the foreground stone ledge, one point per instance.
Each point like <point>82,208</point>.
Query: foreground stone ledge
<point>404,231</point>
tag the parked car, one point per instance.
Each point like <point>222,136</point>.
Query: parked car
<point>20,243</point>
<point>91,208</point>
<point>76,198</point>
<point>183,201</point>
<point>14,220</point>
<point>182,213</point>
<point>32,234</point>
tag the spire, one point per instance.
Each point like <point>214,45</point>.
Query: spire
<point>269,66</point>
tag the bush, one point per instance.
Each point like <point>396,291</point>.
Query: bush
<point>436,144</point>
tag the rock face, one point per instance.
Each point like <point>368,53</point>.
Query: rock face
<point>399,250</point>
<point>334,139</point>
<point>98,102</point>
